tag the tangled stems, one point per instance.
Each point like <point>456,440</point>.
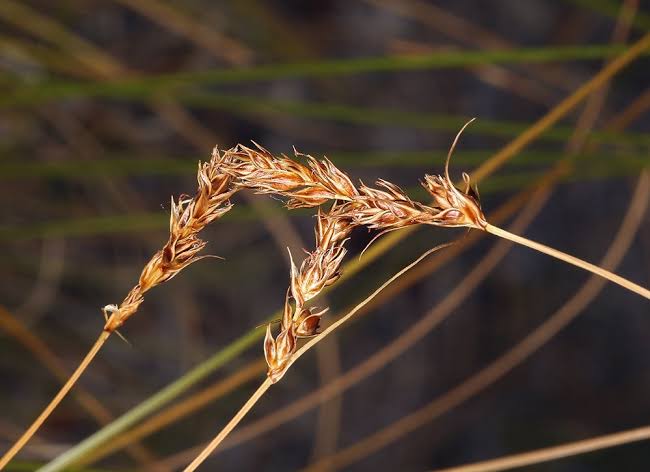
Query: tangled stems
<point>269,381</point>
<point>384,208</point>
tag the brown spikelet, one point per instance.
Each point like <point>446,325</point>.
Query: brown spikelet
<point>188,216</point>
<point>318,270</point>
<point>304,185</point>
<point>457,208</point>
<point>385,207</point>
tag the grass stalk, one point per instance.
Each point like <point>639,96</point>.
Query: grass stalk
<point>55,365</point>
<point>509,360</point>
<point>562,108</point>
<point>305,347</point>
<point>594,269</point>
<point>145,88</point>
<point>261,390</point>
<point>27,435</point>
<point>556,452</point>
<point>179,410</point>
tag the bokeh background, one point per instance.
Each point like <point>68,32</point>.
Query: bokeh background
<point>106,107</point>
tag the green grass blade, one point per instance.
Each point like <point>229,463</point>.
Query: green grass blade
<point>244,105</point>
<point>18,466</point>
<point>147,87</point>
<point>112,224</point>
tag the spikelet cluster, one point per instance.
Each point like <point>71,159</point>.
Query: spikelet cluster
<point>189,215</point>
<point>385,207</point>
<point>304,185</point>
<point>320,269</point>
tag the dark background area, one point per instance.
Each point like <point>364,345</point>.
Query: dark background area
<point>86,178</point>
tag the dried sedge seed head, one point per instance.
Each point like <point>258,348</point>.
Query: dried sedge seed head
<point>456,208</point>
<point>386,208</point>
<point>307,324</point>
<point>188,216</point>
<point>305,186</point>
<point>278,351</point>
<point>321,267</point>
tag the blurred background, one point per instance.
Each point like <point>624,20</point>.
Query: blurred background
<point>106,107</point>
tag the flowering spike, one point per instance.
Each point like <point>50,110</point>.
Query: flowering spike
<point>269,347</point>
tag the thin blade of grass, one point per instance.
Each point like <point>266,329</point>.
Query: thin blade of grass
<point>180,409</point>
<point>147,87</point>
<point>245,105</point>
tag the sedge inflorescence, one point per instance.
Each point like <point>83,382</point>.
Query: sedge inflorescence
<point>308,184</point>
<point>385,207</point>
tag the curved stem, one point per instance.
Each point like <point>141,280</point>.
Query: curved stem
<point>308,345</point>
<point>55,401</point>
<point>230,426</point>
<point>556,452</point>
<point>594,269</point>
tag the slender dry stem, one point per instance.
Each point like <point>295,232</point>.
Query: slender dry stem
<point>508,361</point>
<point>308,345</point>
<point>230,426</point>
<point>557,452</point>
<point>178,410</point>
<point>45,355</point>
<point>594,269</point>
<point>55,401</point>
